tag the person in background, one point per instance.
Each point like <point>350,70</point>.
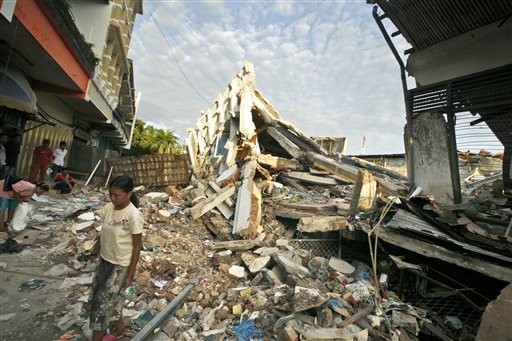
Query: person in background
<point>118,246</point>
<point>21,191</point>
<point>40,161</point>
<point>12,151</point>
<point>64,182</point>
<point>59,155</point>
<point>3,141</point>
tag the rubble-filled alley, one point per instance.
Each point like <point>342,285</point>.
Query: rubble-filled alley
<point>273,238</point>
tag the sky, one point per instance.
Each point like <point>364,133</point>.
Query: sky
<point>324,65</point>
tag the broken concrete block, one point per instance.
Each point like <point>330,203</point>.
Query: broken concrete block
<point>278,163</point>
<point>279,272</point>
<point>324,317</point>
<point>206,205</point>
<point>271,277</point>
<point>248,210</point>
<point>331,334</point>
<point>196,195</point>
<point>153,197</point>
<point>228,176</point>
<point>359,291</point>
<point>291,267</point>
<point>164,214</point>
<point>322,224</point>
<point>246,292</point>
<point>307,298</point>
<point>318,263</point>
<point>258,264</point>
<point>237,310</point>
<point>223,257</point>
<point>340,265</point>
<point>235,245</point>
<point>236,271</point>
<point>172,326</point>
<point>406,321</point>
<point>288,334</point>
<point>364,195</point>
<point>266,251</point>
<point>247,258</point>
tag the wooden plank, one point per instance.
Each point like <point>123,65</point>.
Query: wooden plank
<point>357,316</point>
<point>311,179</point>
<point>345,172</point>
<point>206,205</point>
<point>278,163</point>
<point>297,211</point>
<point>322,224</point>
<point>235,245</point>
<point>248,210</point>
<point>217,189</point>
<point>350,173</point>
<point>373,167</point>
<point>223,207</point>
<point>284,142</point>
<point>364,196</point>
<point>435,251</point>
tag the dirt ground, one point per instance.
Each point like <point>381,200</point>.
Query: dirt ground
<point>36,310</point>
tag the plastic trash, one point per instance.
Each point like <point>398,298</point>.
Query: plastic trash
<point>22,216</point>
<point>246,330</point>
<point>32,285</point>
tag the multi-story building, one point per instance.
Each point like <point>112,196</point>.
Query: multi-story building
<point>71,59</point>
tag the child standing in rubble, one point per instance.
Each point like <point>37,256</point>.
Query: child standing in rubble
<point>118,246</point>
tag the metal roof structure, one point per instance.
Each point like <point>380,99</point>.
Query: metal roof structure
<point>424,23</point>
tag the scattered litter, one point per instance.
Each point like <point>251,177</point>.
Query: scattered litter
<point>32,284</point>
<point>7,317</point>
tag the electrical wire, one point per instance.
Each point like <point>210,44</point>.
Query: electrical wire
<point>174,56</point>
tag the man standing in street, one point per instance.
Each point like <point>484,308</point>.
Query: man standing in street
<point>41,160</point>
<point>12,151</point>
<point>59,155</point>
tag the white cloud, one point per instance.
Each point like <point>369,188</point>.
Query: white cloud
<point>323,65</point>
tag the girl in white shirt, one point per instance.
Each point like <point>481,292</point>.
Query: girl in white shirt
<point>118,246</point>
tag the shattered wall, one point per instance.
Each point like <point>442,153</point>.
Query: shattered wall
<point>152,170</point>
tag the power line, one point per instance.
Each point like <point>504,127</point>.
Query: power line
<point>174,56</point>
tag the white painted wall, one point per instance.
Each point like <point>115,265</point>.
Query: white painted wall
<point>482,49</point>
<point>55,107</point>
<point>92,19</point>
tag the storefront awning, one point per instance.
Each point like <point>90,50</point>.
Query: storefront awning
<point>15,91</point>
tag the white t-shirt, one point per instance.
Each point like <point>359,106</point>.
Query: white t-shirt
<point>116,233</point>
<point>59,155</point>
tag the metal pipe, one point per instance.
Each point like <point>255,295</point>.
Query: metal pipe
<point>151,326</point>
<point>409,146</point>
<point>452,150</point>
<point>94,171</point>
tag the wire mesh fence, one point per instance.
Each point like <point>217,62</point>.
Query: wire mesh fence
<point>318,247</point>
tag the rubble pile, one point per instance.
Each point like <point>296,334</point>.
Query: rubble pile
<point>229,242</point>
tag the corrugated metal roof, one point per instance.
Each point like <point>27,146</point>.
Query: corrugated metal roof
<point>427,22</point>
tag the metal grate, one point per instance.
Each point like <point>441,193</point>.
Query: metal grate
<point>451,306</point>
<point>483,90</point>
<point>318,247</point>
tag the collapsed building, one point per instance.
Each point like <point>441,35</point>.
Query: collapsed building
<point>242,151</point>
<point>276,237</point>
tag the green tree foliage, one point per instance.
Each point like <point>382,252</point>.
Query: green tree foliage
<point>150,140</point>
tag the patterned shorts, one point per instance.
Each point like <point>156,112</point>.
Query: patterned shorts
<point>106,298</point>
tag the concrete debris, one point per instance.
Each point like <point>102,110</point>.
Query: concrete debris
<point>275,232</point>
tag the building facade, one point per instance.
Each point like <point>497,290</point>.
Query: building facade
<point>71,57</point>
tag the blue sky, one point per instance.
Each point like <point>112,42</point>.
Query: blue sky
<point>324,65</point>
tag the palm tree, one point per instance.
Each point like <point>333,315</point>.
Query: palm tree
<point>164,141</point>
